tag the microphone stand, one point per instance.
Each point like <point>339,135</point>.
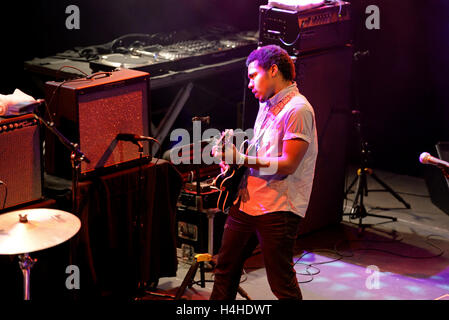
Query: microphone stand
<point>198,197</point>
<point>140,282</point>
<point>358,209</point>
<point>76,158</point>
<point>137,223</point>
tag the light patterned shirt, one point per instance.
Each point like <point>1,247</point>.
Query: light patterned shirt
<point>287,115</point>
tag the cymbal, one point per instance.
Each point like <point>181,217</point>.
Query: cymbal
<point>40,229</point>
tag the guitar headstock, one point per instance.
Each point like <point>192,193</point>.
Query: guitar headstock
<point>228,135</point>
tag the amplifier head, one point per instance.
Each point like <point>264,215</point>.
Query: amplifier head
<point>305,30</point>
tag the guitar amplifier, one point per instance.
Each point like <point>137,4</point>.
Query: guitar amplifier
<point>21,173</point>
<point>91,111</point>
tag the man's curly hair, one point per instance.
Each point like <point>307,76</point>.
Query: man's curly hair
<point>269,55</point>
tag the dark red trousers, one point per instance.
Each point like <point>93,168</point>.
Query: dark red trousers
<point>276,232</point>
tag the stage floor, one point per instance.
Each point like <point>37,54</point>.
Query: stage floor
<point>407,259</point>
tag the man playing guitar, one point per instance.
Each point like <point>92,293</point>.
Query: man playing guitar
<point>275,193</point>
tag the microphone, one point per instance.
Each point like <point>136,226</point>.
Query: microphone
<point>132,137</point>
<point>426,158</point>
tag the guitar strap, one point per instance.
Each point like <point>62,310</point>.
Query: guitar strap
<point>275,110</point>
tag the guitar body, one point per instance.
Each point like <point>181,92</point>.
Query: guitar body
<point>228,183</point>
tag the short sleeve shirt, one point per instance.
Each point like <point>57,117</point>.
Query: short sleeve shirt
<point>268,191</point>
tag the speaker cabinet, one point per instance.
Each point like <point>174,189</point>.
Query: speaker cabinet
<point>437,183</point>
<point>91,111</point>
<point>324,78</point>
<point>20,161</point>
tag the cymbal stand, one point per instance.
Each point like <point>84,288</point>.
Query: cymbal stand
<point>26,263</point>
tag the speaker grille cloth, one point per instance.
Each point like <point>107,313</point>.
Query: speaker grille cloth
<point>104,114</point>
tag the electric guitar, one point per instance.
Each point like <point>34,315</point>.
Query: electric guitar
<point>229,180</point>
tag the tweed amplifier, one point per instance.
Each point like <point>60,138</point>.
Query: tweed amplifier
<point>91,111</point>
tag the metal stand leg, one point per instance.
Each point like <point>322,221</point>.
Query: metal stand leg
<point>390,190</point>
<point>188,281</point>
<point>358,209</point>
<point>171,115</point>
<point>350,186</point>
<point>26,263</point>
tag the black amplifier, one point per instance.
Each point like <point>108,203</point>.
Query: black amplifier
<point>207,197</point>
<point>304,31</point>
<point>189,199</point>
